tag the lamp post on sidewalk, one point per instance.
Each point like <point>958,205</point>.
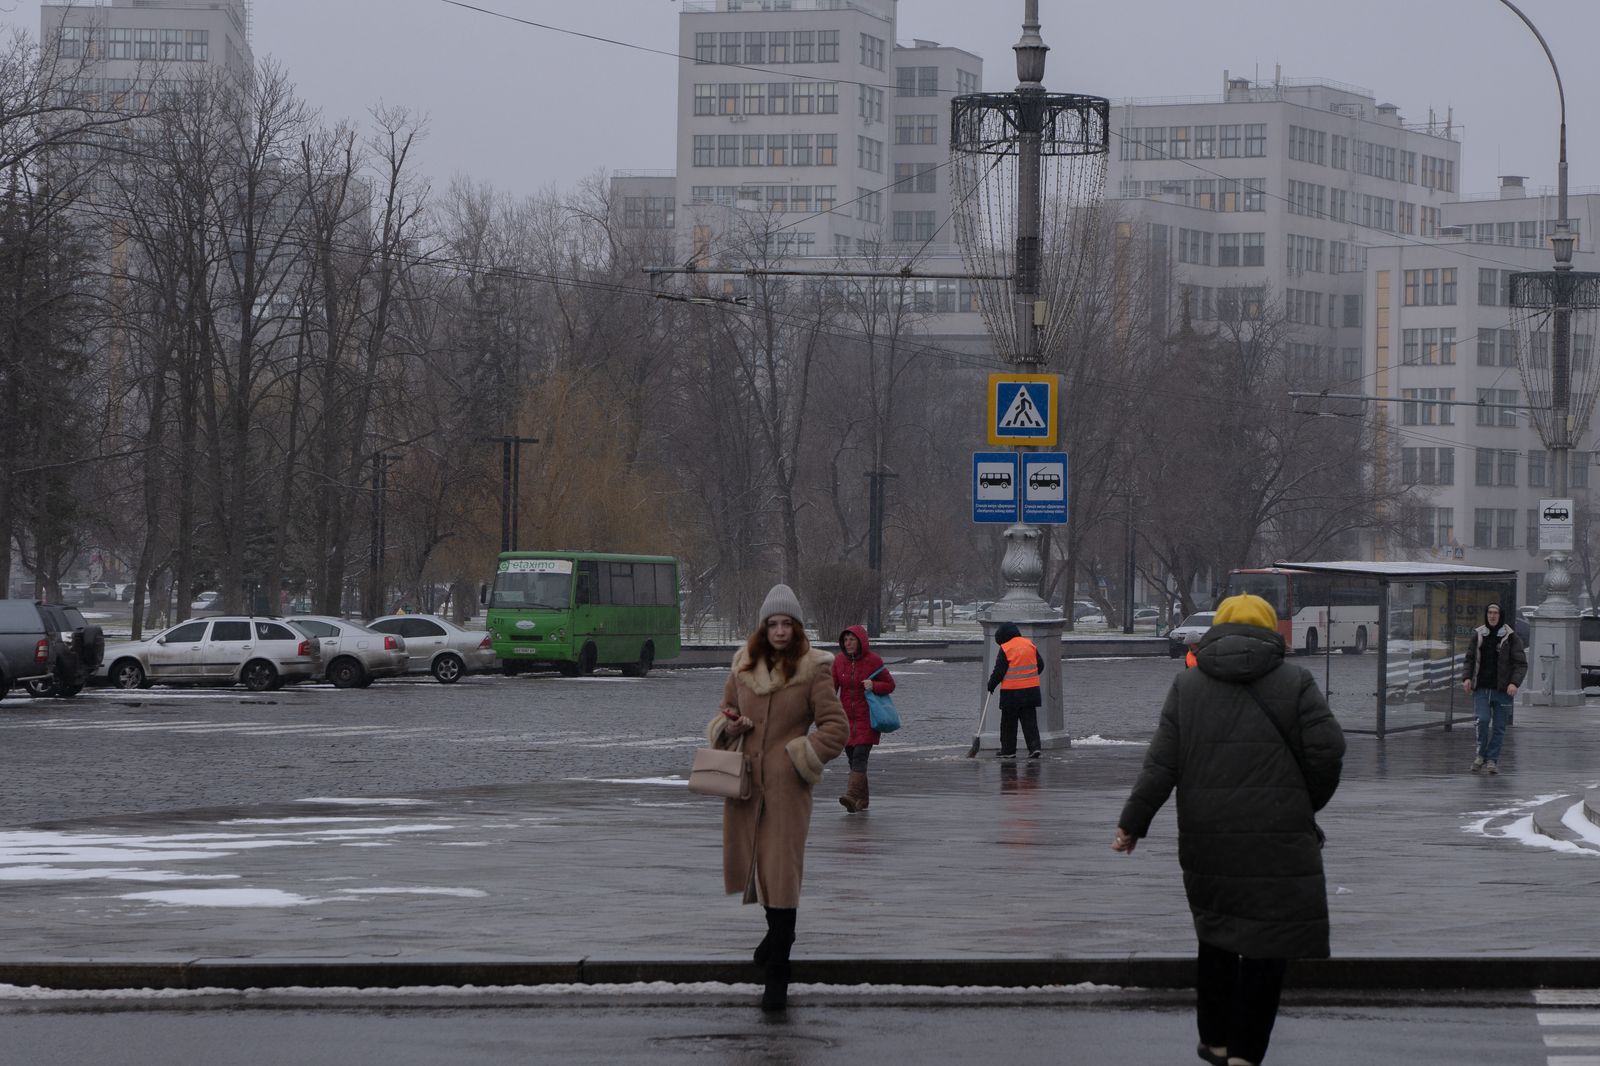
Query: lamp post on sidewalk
<point>1544,304</point>
<point>1027,172</point>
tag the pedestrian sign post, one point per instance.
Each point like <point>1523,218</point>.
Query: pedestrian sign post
<point>994,487</point>
<point>1044,488</point>
<point>1022,408</point>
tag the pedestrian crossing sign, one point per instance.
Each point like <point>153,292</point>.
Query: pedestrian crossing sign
<point>1022,408</point>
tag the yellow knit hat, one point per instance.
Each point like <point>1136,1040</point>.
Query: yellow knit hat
<point>1247,610</point>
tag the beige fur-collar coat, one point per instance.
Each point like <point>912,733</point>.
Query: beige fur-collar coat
<point>764,837</point>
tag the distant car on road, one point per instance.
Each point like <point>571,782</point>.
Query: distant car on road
<point>1194,627</point>
<point>261,653</point>
<point>349,654</point>
<point>207,601</point>
<point>439,647</point>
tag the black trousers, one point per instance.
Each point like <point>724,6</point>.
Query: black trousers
<point>1236,1001</point>
<point>1029,717</point>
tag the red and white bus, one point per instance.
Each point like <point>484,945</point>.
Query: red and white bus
<point>1317,612</point>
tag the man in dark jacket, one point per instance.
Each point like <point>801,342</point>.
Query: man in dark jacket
<point>1497,661</point>
<point>1016,674</point>
<point>1253,751</point>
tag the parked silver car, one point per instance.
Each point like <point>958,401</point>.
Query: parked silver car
<point>261,653</point>
<point>349,654</point>
<point>437,646</point>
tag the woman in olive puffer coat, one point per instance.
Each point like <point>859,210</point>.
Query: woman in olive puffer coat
<point>1249,743</point>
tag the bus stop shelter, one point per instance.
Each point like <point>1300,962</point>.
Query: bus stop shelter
<point>1425,615</point>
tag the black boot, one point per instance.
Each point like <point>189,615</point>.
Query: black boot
<point>780,939</point>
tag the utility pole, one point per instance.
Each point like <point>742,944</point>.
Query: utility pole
<point>877,490</point>
<point>375,553</point>
<point>510,486</point>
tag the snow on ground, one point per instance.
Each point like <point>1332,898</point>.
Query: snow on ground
<point>1096,740</point>
<point>680,782</point>
<point>637,988</point>
<point>223,897</point>
<point>349,802</point>
<point>464,893</point>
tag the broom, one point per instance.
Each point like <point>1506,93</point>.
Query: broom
<point>977,741</point>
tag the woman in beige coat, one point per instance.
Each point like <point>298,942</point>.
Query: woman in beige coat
<point>779,687</point>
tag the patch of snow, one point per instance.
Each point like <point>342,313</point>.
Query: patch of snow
<point>458,843</point>
<point>637,988</point>
<point>927,662</point>
<point>1575,820</point>
<point>295,821</point>
<point>222,897</point>
<point>464,893</point>
<point>1097,741</point>
<point>57,873</point>
<point>680,782</point>
<point>1523,832</point>
<point>350,802</point>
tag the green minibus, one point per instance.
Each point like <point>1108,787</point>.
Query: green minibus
<point>574,611</point>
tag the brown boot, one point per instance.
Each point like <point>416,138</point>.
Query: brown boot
<point>854,793</point>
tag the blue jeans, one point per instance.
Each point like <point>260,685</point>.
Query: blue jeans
<point>1493,709</point>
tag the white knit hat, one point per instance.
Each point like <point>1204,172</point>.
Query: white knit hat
<point>781,600</point>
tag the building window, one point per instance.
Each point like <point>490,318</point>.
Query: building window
<point>777,150</point>
<point>966,83</point>
<point>728,98</point>
<point>1253,249</point>
<point>755,48</point>
<point>827,46</point>
<point>144,44</point>
<point>1229,142</point>
<point>827,98</point>
<point>1536,469</point>
<point>871,104</point>
<point>1352,311</point>
<point>705,99</point>
<point>827,149</point>
<point>754,147</point>
<point>872,51</point>
<point>728,150</point>
<point>755,98</point>
<point>827,196</point>
<point>869,154</point>
<point>197,45</point>
<point>778,46</point>
<point>704,151</point>
<point>705,48</point>
<point>777,98</point>
<point>1255,139</point>
<point>869,205</point>
<point>800,149</point>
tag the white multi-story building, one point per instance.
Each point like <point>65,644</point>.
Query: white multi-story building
<point>1441,333</point>
<point>1266,198</point>
<point>130,40</point>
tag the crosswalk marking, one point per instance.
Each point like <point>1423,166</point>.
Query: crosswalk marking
<point>1572,1040</point>
<point>1569,1017</point>
<point>1567,997</point>
<point>1573,1060</point>
<point>1569,1024</point>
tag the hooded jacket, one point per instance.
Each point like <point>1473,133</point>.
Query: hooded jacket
<point>1247,840</point>
<point>848,674</point>
<point>1511,662</point>
<point>1012,699</point>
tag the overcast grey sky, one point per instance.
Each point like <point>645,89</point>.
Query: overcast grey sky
<point>526,108</point>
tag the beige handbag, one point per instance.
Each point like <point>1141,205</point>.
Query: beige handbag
<point>721,772</point>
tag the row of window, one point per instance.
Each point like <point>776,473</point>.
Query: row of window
<point>1209,194</point>
<point>771,98</point>
<point>916,129</point>
<point>1194,142</point>
<point>1318,361</point>
<point>775,47</point>
<point>649,212</point>
<point>1492,527</point>
<point>766,150</point>
<point>1429,287</point>
<point>915,225</point>
<point>1226,304</point>
<point>1428,347</point>
<point>804,198</point>
<point>1375,160</point>
<point>1525,234</point>
<point>118,42</point>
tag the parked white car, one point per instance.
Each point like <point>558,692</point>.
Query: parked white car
<point>349,654</point>
<point>260,653</point>
<point>439,647</point>
<point>1193,628</point>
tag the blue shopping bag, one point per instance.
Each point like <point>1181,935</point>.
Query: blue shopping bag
<point>885,719</point>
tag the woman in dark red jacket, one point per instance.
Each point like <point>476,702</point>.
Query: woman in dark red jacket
<point>851,672</point>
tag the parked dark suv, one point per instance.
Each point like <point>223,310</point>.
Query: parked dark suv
<point>46,647</point>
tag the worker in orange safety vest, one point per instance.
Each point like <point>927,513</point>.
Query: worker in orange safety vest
<point>1016,674</point>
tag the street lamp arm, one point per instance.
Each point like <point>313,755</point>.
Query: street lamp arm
<point>1563,239</point>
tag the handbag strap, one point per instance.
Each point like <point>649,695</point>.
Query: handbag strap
<point>1276,725</point>
<point>878,671</point>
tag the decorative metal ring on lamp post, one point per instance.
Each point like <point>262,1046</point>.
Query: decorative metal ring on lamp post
<point>1068,123</point>
<point>1546,290</point>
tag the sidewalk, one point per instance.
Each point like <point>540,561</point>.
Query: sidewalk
<point>963,872</point>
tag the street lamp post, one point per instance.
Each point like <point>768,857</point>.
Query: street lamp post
<point>510,486</point>
<point>1028,171</point>
<point>1543,304</point>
